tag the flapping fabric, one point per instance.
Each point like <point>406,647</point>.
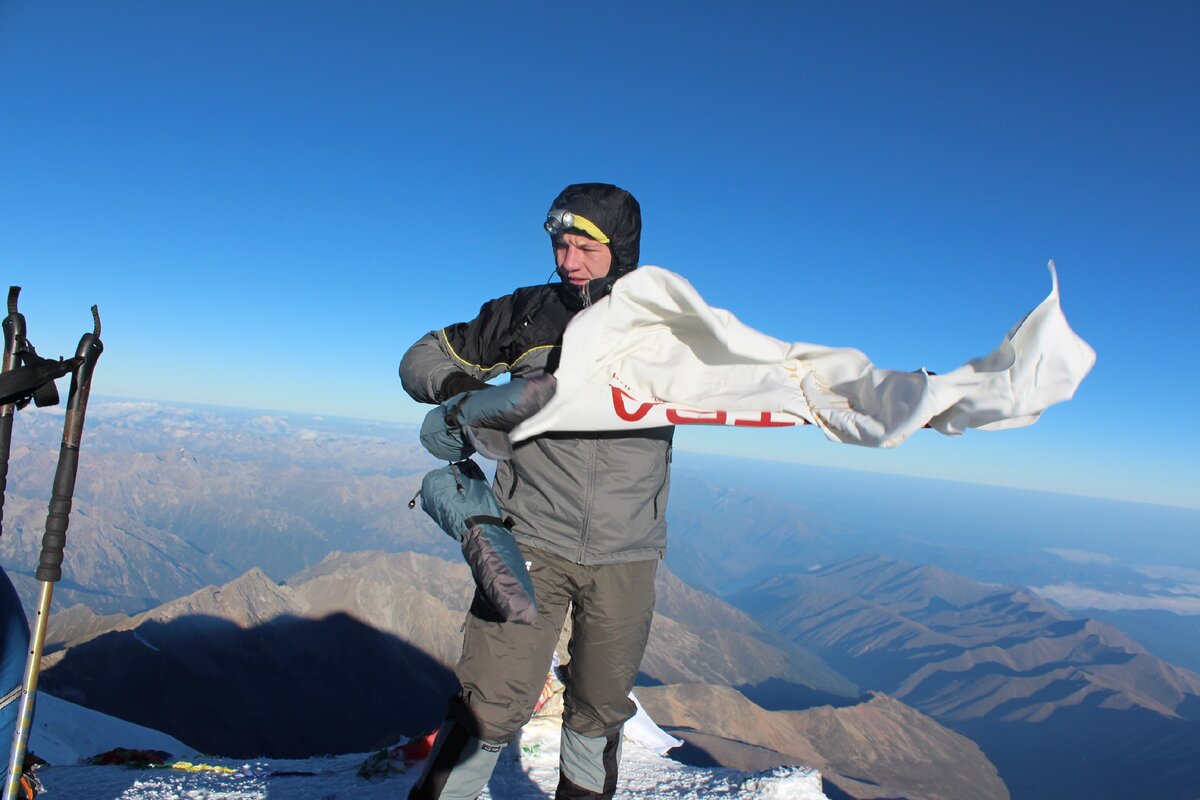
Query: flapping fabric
<point>460,500</point>
<point>654,353</point>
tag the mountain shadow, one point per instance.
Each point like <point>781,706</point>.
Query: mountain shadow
<point>780,695</point>
<point>1097,752</point>
<point>288,688</point>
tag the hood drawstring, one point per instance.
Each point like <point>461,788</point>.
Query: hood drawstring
<point>584,295</point>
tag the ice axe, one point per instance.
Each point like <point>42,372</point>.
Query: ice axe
<point>49,569</point>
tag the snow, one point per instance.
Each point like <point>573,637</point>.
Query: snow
<point>64,733</point>
<point>139,638</point>
<point>643,730</point>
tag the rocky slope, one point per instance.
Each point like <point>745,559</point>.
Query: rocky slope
<point>877,747</point>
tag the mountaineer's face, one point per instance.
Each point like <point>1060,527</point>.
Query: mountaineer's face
<point>581,258</point>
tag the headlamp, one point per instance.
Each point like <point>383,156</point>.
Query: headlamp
<point>559,220</point>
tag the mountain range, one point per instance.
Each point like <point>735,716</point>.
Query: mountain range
<point>169,499</point>
<point>404,598</point>
<point>1051,699</point>
<point>356,653</point>
<point>221,560</point>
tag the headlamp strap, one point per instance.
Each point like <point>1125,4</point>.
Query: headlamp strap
<point>559,220</point>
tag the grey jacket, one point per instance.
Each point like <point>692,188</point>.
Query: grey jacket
<point>593,498</point>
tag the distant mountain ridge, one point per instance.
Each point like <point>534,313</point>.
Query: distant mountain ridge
<point>113,562</point>
<point>724,536</point>
<point>995,662</point>
<point>170,499</point>
<point>698,638</point>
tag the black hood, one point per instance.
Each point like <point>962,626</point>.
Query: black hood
<point>614,211</point>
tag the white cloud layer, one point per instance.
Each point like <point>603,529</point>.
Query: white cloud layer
<point>1082,556</point>
<point>1073,596</point>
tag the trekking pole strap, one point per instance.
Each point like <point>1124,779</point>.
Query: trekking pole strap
<point>34,380</point>
<point>25,375</point>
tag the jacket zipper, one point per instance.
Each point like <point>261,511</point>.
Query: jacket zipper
<point>587,507</point>
<point>513,489</point>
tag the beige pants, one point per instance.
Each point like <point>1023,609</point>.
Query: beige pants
<point>503,665</point>
<point>503,669</point>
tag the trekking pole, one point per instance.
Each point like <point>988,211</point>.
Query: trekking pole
<point>14,337</point>
<point>14,333</point>
<point>49,569</point>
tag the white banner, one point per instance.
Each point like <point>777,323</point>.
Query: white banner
<point>654,353</point>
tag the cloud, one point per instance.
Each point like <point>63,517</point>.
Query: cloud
<point>1075,597</point>
<point>1083,556</point>
<point>1166,572</point>
<point>125,407</point>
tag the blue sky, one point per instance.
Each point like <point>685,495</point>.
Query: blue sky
<point>270,201</point>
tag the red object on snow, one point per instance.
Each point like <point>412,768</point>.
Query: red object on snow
<point>416,750</point>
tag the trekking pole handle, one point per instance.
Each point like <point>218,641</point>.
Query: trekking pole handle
<point>59,515</point>
<point>14,330</point>
<point>54,540</point>
<point>14,333</point>
<point>89,350</point>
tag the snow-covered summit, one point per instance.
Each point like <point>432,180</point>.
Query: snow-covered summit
<point>65,733</point>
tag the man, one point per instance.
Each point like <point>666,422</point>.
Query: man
<point>589,513</point>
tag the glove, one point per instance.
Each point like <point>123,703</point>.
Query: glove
<point>459,382</point>
<point>480,420</point>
